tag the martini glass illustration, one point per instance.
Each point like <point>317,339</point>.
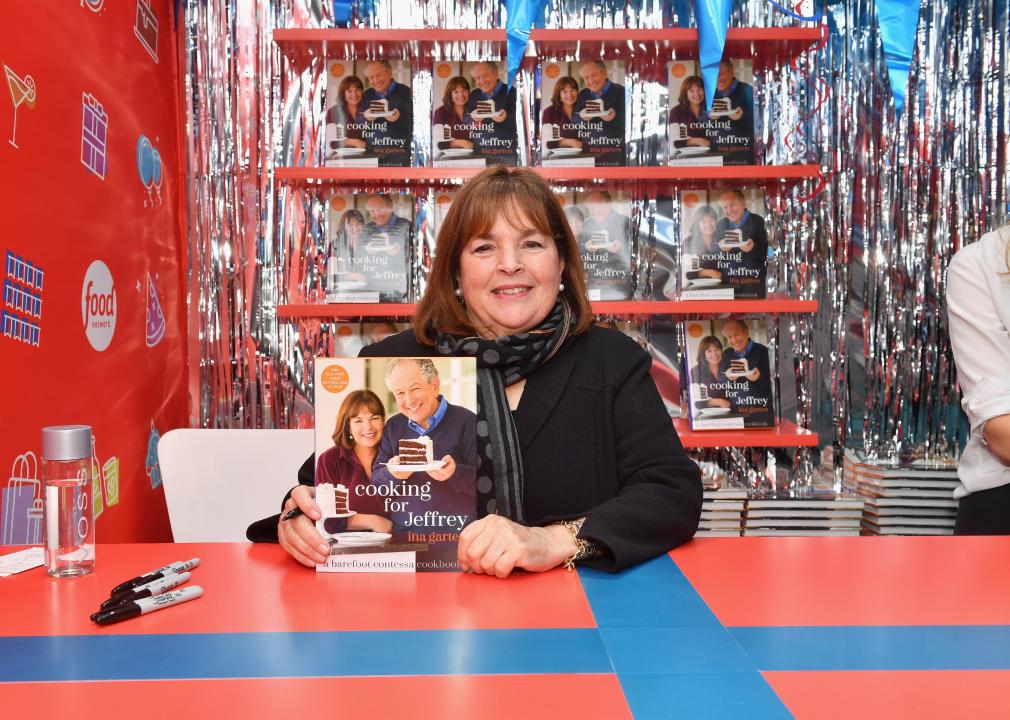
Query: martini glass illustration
<point>22,93</point>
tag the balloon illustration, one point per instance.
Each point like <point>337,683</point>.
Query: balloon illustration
<point>149,166</point>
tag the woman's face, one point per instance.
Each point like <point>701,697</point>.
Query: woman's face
<point>695,95</point>
<point>366,428</point>
<point>713,354</point>
<point>707,225</point>
<point>460,94</point>
<point>569,95</point>
<point>352,95</point>
<point>354,228</point>
<point>510,278</point>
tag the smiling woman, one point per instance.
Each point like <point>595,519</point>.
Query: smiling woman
<point>578,460</point>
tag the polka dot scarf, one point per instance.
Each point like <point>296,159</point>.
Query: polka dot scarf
<point>501,362</point>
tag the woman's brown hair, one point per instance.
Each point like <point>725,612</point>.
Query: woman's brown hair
<point>351,406</point>
<point>690,82</point>
<point>562,83</point>
<point>453,83</point>
<point>510,193</point>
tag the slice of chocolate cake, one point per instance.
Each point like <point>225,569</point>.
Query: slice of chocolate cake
<point>594,106</point>
<point>484,107</point>
<point>415,452</point>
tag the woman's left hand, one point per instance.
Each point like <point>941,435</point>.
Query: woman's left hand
<point>496,546</point>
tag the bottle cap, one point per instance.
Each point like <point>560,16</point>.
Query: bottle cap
<point>66,442</point>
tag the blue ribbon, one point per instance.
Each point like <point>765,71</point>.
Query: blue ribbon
<point>816,17</point>
<point>522,14</point>
<point>898,21</point>
<point>342,12</point>
<point>713,18</point>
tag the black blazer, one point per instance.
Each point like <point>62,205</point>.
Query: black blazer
<point>597,442</point>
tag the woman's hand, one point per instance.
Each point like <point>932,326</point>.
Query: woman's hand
<point>354,142</point>
<point>375,523</point>
<point>700,142</point>
<point>709,273</point>
<point>460,143</point>
<point>570,142</point>
<point>718,402</point>
<point>298,536</point>
<point>496,546</point>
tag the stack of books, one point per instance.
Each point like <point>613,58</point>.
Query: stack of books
<point>804,515</point>
<point>913,498</point>
<point>722,512</point>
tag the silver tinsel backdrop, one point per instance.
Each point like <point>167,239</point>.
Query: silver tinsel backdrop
<point>871,240</point>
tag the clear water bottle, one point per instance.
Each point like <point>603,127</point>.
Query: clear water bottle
<point>68,515</point>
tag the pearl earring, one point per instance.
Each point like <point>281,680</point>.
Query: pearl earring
<point>459,293</point>
<point>561,287</point>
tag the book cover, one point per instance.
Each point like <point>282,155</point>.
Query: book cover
<point>724,244</point>
<point>350,337</point>
<point>582,113</point>
<point>720,135</point>
<point>473,119</point>
<point>729,371</point>
<point>370,238</point>
<point>369,113</point>
<point>396,461</point>
<point>601,223</point>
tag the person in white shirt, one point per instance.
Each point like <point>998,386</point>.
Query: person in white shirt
<point>978,309</point>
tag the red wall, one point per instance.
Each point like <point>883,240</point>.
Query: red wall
<point>108,360</point>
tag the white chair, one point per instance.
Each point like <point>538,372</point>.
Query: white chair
<point>219,481</point>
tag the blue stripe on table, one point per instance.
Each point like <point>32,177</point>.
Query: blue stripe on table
<point>310,654</point>
<point>671,654</point>
<point>918,647</point>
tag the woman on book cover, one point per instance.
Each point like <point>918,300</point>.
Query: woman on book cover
<point>348,241</point>
<point>690,112</point>
<point>577,222</point>
<point>348,112</point>
<point>578,461</point>
<point>708,371</point>
<point>452,114</point>
<point>703,242</point>
<point>561,114</point>
<point>356,437</point>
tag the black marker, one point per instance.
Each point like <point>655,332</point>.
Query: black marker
<point>176,567</point>
<point>293,513</point>
<point>151,589</point>
<point>133,608</point>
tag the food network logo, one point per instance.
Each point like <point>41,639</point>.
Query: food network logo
<point>98,305</point>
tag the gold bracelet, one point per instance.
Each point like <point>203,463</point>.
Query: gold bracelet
<point>581,547</point>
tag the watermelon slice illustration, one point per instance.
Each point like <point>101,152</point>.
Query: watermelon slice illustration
<point>155,318</point>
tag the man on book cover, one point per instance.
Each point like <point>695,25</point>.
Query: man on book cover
<point>390,134</point>
<point>492,107</point>
<point>732,117</point>
<point>601,107</point>
<point>755,402</point>
<point>743,240</point>
<point>453,433</point>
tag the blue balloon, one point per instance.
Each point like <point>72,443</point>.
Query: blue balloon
<point>145,160</point>
<point>157,169</point>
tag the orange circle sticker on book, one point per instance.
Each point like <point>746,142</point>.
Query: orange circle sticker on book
<point>552,71</point>
<point>444,70</point>
<point>338,203</point>
<point>690,200</point>
<point>444,200</point>
<point>695,330</point>
<point>678,70</point>
<point>334,378</point>
<point>337,69</point>
<point>344,331</point>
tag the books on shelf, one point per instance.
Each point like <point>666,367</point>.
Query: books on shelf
<point>369,248</point>
<point>473,121</point>
<point>720,135</point>
<point>812,513</point>
<point>724,244</point>
<point>369,113</point>
<point>582,118</point>
<point>601,223</point>
<point>728,370</point>
<point>403,516</point>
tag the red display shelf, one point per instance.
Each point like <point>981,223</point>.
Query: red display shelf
<point>631,308</point>
<point>786,434</point>
<point>640,176</point>
<point>767,46</point>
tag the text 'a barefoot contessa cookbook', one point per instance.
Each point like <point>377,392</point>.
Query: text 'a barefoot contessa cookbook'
<point>396,461</point>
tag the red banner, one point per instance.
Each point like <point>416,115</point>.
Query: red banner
<point>93,314</point>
